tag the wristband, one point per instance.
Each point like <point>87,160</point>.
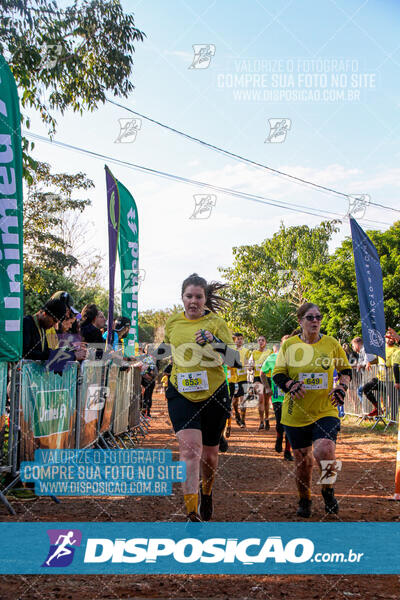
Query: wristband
<point>344,386</point>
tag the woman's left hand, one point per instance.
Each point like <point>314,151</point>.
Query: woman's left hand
<point>200,339</point>
<point>337,395</point>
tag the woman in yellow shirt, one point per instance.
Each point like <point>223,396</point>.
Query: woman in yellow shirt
<point>198,396</point>
<point>260,355</point>
<point>304,371</point>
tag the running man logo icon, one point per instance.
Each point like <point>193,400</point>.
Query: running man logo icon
<point>203,205</point>
<point>50,55</point>
<point>329,471</point>
<point>62,547</point>
<point>376,338</point>
<point>128,129</point>
<point>278,129</point>
<point>358,204</point>
<point>203,54</point>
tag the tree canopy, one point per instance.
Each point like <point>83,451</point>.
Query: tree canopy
<point>268,281</point>
<point>67,58</point>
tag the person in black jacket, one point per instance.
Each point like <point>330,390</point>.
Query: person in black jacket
<point>35,343</point>
<point>93,320</point>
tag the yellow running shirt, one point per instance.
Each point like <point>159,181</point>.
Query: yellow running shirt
<point>314,364</point>
<point>197,370</point>
<point>259,359</point>
<point>232,377</point>
<point>241,373</point>
<point>390,351</point>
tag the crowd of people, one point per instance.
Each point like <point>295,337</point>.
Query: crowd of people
<point>306,378</point>
<point>209,377</point>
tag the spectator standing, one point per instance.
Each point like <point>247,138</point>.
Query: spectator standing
<point>35,342</point>
<point>93,320</point>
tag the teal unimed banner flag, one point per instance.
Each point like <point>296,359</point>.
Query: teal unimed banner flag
<point>128,248</point>
<point>11,300</point>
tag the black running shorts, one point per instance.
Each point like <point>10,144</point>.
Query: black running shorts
<point>207,415</point>
<point>303,437</point>
<point>241,389</point>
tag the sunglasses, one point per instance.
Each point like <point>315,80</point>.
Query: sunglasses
<point>312,317</point>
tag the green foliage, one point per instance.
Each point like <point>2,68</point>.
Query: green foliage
<point>152,323</point>
<point>333,285</point>
<point>67,58</point>
<point>271,273</point>
<point>50,262</point>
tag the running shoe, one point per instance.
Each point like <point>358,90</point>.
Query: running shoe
<point>331,504</point>
<point>228,431</point>
<point>242,424</point>
<point>278,444</point>
<point>304,509</point>
<point>261,426</point>
<point>287,455</point>
<point>206,505</point>
<point>373,413</point>
<point>223,444</point>
<point>238,420</point>
<point>267,426</point>
<point>193,517</point>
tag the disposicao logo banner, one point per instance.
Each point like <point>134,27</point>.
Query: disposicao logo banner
<point>200,548</point>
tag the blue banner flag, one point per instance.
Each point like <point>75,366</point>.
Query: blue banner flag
<point>200,548</point>
<point>370,291</point>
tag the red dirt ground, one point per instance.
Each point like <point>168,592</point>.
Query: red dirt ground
<point>254,483</point>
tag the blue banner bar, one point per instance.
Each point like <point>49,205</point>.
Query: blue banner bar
<point>200,548</point>
<point>370,291</point>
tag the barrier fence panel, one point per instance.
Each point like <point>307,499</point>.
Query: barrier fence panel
<point>91,395</point>
<point>135,397</point>
<point>4,440</point>
<point>111,378</point>
<point>47,408</point>
<point>122,402</point>
<point>371,387</point>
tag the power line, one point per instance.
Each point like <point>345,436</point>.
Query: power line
<point>244,159</point>
<point>298,208</point>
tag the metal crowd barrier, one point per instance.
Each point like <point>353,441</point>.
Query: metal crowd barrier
<point>380,382</point>
<point>92,404</point>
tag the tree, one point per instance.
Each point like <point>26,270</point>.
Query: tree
<point>50,260</point>
<point>333,285</point>
<point>152,323</point>
<point>67,58</point>
<point>272,273</point>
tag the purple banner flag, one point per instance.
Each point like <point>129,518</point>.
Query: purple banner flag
<point>113,207</point>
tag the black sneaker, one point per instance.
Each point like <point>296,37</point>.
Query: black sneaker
<point>278,444</point>
<point>304,509</point>
<point>261,426</point>
<point>223,444</point>
<point>238,420</point>
<point>267,426</point>
<point>331,504</point>
<point>193,517</point>
<point>288,456</point>
<point>206,505</point>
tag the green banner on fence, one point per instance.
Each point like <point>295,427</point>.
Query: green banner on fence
<point>48,400</point>
<point>128,249</point>
<point>11,298</point>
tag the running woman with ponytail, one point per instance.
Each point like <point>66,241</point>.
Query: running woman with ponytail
<point>304,371</point>
<point>198,396</point>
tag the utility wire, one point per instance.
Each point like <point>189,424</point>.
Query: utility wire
<point>244,159</point>
<point>252,197</point>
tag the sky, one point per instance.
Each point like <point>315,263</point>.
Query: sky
<point>308,88</point>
